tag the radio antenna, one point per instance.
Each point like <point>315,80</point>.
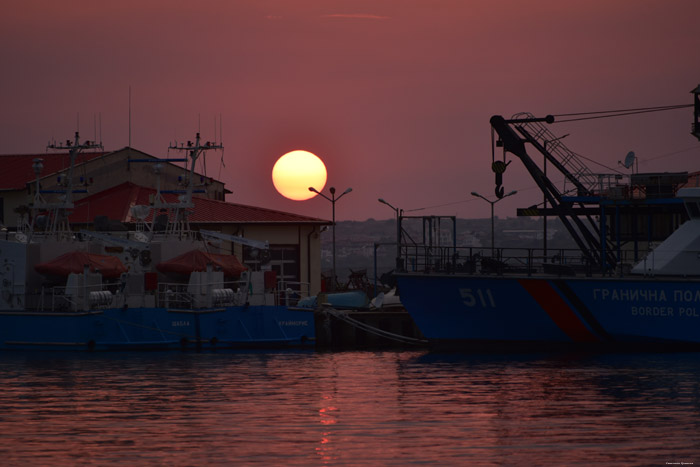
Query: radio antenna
<point>221,143</point>
<point>129,115</point>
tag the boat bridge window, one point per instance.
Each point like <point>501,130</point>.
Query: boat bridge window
<point>693,209</point>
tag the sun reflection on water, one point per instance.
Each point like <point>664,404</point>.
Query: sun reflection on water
<point>348,408</point>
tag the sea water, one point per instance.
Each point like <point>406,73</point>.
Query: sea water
<point>349,408</point>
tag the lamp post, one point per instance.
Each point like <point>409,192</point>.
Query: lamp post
<point>398,212</point>
<point>492,203</point>
<point>332,199</point>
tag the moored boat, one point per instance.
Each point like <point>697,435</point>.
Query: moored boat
<point>606,294</point>
<point>161,286</point>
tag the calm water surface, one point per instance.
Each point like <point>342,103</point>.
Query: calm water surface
<point>349,408</point>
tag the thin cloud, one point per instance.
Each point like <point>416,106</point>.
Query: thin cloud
<point>355,16</point>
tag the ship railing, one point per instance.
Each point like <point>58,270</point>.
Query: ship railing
<point>497,261</point>
<point>229,293</point>
<point>71,298</point>
<point>290,292</point>
<point>213,294</point>
<point>173,295</point>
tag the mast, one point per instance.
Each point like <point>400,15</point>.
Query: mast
<point>182,208</point>
<point>59,211</point>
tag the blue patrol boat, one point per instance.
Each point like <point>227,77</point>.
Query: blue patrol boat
<point>162,286</point>
<point>612,292</point>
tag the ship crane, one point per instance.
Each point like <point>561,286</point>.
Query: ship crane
<point>524,128</point>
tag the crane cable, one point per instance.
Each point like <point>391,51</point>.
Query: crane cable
<point>617,113</point>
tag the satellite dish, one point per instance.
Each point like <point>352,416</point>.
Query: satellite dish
<point>629,159</point>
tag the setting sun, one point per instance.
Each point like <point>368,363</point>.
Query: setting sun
<point>295,172</point>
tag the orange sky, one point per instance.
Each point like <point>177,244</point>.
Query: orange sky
<point>394,96</point>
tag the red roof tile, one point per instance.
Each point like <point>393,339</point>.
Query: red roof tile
<point>17,169</point>
<point>116,202</point>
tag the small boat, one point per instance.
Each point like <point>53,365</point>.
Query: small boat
<point>162,286</point>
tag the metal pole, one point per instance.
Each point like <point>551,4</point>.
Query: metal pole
<point>398,240</point>
<point>493,254</point>
<point>332,199</point>
<point>544,217</point>
<point>333,203</point>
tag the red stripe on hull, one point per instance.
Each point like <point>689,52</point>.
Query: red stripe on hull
<point>557,309</point>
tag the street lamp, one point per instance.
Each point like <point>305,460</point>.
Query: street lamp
<point>398,212</point>
<point>332,199</point>
<point>474,193</point>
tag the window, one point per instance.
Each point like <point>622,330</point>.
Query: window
<point>693,209</point>
<point>283,259</point>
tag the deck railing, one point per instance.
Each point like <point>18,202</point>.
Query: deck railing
<point>498,261</point>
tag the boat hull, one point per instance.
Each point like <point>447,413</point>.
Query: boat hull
<point>503,312</point>
<point>157,329</point>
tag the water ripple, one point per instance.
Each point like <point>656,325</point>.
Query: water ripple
<point>349,408</point>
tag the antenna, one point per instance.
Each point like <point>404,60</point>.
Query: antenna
<point>129,115</point>
<point>100,128</point>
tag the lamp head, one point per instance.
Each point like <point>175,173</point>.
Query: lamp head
<point>332,190</point>
<point>313,189</point>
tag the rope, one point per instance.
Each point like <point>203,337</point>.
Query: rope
<point>376,331</point>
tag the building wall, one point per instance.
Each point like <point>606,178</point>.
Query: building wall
<point>306,237</point>
<point>11,200</point>
<point>103,170</point>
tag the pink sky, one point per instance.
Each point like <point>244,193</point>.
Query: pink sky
<point>394,96</point>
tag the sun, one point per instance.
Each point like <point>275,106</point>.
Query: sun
<point>295,172</point>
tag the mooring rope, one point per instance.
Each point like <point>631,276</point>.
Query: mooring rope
<point>343,316</point>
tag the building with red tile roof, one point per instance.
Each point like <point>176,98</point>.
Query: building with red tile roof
<point>111,183</point>
<point>116,203</point>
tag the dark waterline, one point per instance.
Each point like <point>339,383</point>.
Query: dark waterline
<point>349,408</point>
